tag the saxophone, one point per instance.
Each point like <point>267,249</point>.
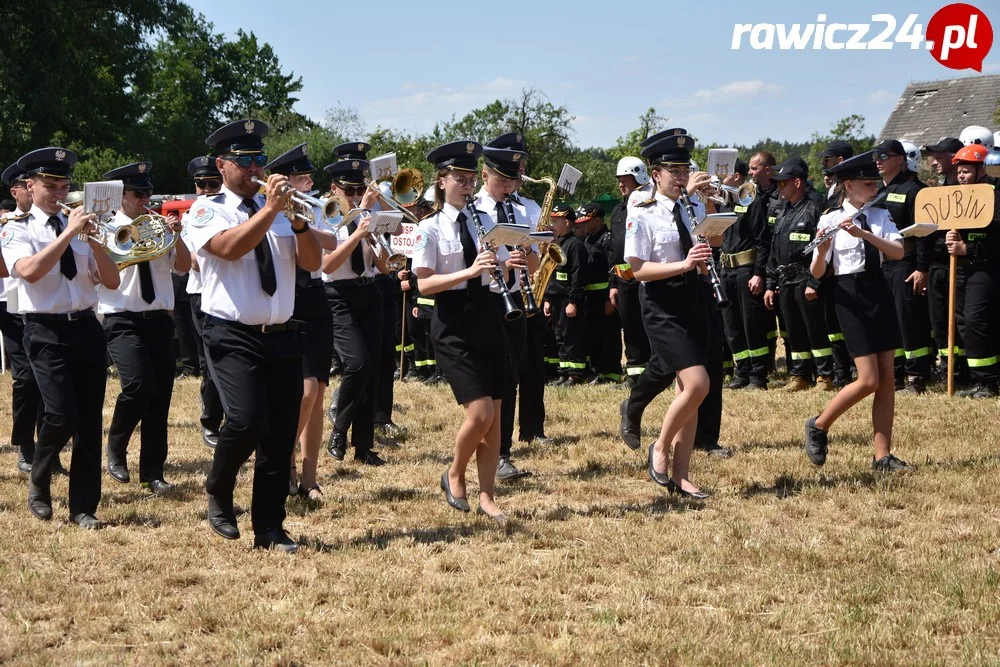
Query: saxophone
<point>549,253</point>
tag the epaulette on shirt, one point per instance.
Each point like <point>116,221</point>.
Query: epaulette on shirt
<point>13,217</point>
<point>832,208</point>
<point>646,202</point>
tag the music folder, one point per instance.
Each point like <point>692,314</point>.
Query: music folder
<point>714,224</point>
<point>919,229</point>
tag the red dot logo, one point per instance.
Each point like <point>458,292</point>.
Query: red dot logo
<point>960,37</point>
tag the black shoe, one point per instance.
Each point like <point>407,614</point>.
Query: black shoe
<point>458,503</point>
<point>675,488</point>
<point>395,375</point>
<point>757,385</point>
<point>159,487</point>
<point>979,391</point>
<point>293,489</point>
<point>434,378</point>
<point>499,518</point>
<point>715,450</point>
<point>370,459</point>
<point>209,437</point>
<point>23,465</point>
<point>663,479</point>
<point>841,380</point>
<point>628,382</point>
<point>899,384</point>
<point>599,380</point>
<point>390,433</point>
<point>816,442</point>
<point>336,369</point>
<point>39,502</point>
<point>337,446</point>
<point>222,518</point>
<point>915,385</point>
<point>890,463</point>
<point>574,380</point>
<point>557,382</point>
<point>629,430</point>
<point>738,383</point>
<point>276,539</point>
<point>88,521</point>
<point>118,470</point>
<point>507,471</point>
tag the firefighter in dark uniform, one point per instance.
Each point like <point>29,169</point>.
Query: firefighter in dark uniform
<point>980,250</point>
<point>746,246</point>
<point>604,337</point>
<point>788,278</point>
<point>907,278</point>
<point>624,294</point>
<point>556,293</point>
<point>571,322</point>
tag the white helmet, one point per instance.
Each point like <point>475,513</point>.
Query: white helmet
<point>977,134</point>
<point>912,155</point>
<point>633,166</point>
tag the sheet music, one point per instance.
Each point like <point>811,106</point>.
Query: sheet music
<point>384,167</point>
<point>919,229</point>
<point>568,178</point>
<point>721,162</point>
<point>714,224</point>
<point>102,197</point>
<point>385,222</point>
<point>512,235</point>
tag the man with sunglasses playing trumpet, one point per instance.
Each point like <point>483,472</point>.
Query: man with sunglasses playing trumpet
<point>57,272</point>
<point>140,335</point>
<point>247,251</point>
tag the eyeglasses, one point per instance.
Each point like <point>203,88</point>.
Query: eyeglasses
<point>140,193</point>
<point>244,161</point>
<point>677,172</point>
<point>354,191</point>
<point>885,156</point>
<point>464,181</point>
<point>207,182</point>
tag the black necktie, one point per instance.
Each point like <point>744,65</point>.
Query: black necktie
<point>469,251</point>
<point>501,214</point>
<point>262,252</point>
<point>358,254</point>
<point>67,264</point>
<point>872,258</point>
<point>682,230</point>
<point>146,288</point>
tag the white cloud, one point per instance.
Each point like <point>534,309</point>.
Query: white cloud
<point>880,96</point>
<point>743,89</point>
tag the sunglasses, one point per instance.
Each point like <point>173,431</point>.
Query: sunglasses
<point>885,156</point>
<point>141,192</point>
<point>354,191</point>
<point>207,182</point>
<point>244,161</point>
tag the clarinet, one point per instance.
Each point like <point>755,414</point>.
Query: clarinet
<point>511,311</point>
<point>530,305</point>
<point>721,301</point>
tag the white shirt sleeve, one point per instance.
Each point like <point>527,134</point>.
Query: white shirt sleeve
<point>425,248</point>
<point>207,220</point>
<point>638,237</point>
<point>16,244</point>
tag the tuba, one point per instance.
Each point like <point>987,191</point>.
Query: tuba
<point>549,253</point>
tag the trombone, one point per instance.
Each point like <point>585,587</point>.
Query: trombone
<point>388,201</point>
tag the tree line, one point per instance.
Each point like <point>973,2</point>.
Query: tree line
<point>124,80</point>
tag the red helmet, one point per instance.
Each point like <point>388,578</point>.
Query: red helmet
<point>971,153</point>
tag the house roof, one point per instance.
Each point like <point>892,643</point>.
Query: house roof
<point>929,110</point>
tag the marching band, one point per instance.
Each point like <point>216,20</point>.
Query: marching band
<point>283,286</point>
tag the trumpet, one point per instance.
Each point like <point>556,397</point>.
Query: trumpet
<point>407,186</point>
<point>830,232</point>
<point>727,194</point>
<point>301,205</point>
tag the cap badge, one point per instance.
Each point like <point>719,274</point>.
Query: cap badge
<point>469,147</point>
<point>520,138</point>
<point>355,165</point>
<point>142,167</point>
<point>304,154</point>
<point>248,126</point>
<point>678,131</point>
<point>681,141</point>
<point>361,148</point>
<point>60,155</point>
<point>516,157</point>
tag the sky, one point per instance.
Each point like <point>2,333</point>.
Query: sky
<point>407,65</point>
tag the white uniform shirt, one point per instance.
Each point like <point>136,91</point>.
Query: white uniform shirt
<point>10,284</point>
<point>848,252</point>
<point>487,204</point>
<point>231,289</point>
<point>194,284</point>
<point>651,233</point>
<point>128,297</point>
<point>344,271</point>
<point>437,244</point>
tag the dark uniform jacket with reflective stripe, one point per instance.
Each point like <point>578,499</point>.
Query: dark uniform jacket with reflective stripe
<point>599,248</point>
<point>568,280</point>
<point>794,229</point>
<point>751,231</point>
<point>901,201</point>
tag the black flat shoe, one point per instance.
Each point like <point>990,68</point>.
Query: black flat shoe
<point>675,488</point>
<point>499,518</point>
<point>23,466</point>
<point>663,479</point>
<point>458,503</point>
<point>39,502</point>
<point>118,472</point>
<point>816,442</point>
<point>276,539</point>
<point>87,521</point>
<point>159,487</point>
<point>370,459</point>
<point>222,518</point>
<point>337,446</point>
<point>209,437</point>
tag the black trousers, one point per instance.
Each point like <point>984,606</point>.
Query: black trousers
<point>604,337</point>
<point>391,329</point>
<point>636,342</point>
<point>937,301</point>
<point>141,350</point>
<point>808,342</point>
<point>573,348</point>
<point>358,328</point>
<point>187,336</point>
<point>423,348</point>
<point>212,412</point>
<point>259,376</point>
<point>26,401</point>
<point>517,335</point>
<point>531,409</point>
<point>746,322</point>
<point>914,320</point>
<point>69,362</point>
<point>982,326</point>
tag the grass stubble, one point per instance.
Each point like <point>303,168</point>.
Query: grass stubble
<point>784,564</point>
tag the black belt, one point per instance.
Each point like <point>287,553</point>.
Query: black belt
<point>290,325</point>
<point>60,317</point>
<point>360,281</point>
<point>140,315</point>
<point>315,282</point>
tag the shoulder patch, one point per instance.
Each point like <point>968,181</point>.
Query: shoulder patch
<point>13,217</point>
<point>631,227</point>
<point>6,236</point>
<point>202,214</point>
<point>420,240</point>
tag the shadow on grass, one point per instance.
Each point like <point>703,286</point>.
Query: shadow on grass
<point>437,458</point>
<point>194,467</point>
<point>133,518</point>
<point>592,469</point>
<point>661,505</point>
<point>382,539</point>
<point>788,485</point>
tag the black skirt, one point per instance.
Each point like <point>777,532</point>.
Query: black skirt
<point>867,314</point>
<point>469,344</point>
<point>675,315</point>
<point>312,312</point>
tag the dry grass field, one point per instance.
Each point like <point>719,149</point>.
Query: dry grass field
<point>784,564</point>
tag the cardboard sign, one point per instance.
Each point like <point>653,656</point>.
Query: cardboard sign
<point>403,243</point>
<point>955,206</point>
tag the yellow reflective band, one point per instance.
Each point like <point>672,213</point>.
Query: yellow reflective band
<point>739,209</point>
<point>408,348</point>
<point>801,356</point>
<point>594,287</point>
<point>612,376</point>
<point>552,360</point>
<point>900,352</point>
<point>799,236</point>
<point>896,198</point>
<point>562,275</point>
<point>916,354</point>
<point>727,364</point>
<point>835,337</point>
<point>635,370</point>
<point>976,236</point>
<point>760,352</point>
<point>823,352</point>
<point>423,362</point>
<point>624,267</point>
<point>424,301</point>
<point>981,363</point>
<point>573,364</point>
<point>740,356</point>
<point>960,351</point>
<point>771,220</point>
<point>783,334</point>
